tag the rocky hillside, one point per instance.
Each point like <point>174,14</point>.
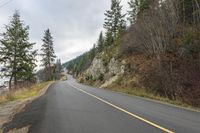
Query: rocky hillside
<point>158,53</point>
<point>105,72</point>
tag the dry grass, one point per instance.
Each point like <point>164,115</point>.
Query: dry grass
<point>148,95</point>
<point>23,93</point>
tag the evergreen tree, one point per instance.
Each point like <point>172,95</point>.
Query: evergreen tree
<point>132,13</point>
<point>17,56</point>
<point>108,39</point>
<point>92,52</point>
<point>143,5</point>
<point>114,21</point>
<point>100,43</point>
<point>82,62</point>
<point>48,54</point>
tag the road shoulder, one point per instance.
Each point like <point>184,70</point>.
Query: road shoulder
<point>9,109</point>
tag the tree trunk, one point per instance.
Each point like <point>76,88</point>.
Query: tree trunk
<point>10,82</point>
<point>15,82</point>
<point>49,71</point>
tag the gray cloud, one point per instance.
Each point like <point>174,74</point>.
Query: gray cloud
<point>75,24</point>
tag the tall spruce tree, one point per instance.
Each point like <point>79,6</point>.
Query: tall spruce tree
<point>100,42</point>
<point>132,13</point>
<point>114,21</point>
<point>137,7</point>
<point>17,56</point>
<point>48,54</point>
<point>143,5</point>
<point>92,52</point>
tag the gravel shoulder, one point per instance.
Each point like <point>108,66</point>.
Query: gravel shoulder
<point>9,109</point>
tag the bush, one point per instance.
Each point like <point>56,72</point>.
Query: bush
<point>173,78</point>
<point>81,80</point>
<point>101,77</point>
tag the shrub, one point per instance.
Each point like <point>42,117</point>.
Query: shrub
<point>101,77</point>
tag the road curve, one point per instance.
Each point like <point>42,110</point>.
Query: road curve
<point>70,107</point>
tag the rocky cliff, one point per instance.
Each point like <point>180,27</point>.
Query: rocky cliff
<point>106,72</point>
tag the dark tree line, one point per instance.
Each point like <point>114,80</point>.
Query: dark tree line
<point>82,62</point>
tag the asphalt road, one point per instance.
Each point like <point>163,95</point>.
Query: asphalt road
<point>69,107</point>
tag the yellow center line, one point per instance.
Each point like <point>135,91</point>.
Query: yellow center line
<point>125,111</point>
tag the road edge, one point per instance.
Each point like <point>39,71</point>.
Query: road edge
<point>187,108</point>
<point>21,106</point>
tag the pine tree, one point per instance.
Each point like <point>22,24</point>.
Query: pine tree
<point>143,5</point>
<point>132,13</point>
<point>100,43</point>
<point>92,52</point>
<point>114,21</point>
<point>109,40</point>
<point>48,54</point>
<point>17,56</point>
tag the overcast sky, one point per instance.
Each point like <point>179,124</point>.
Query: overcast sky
<point>75,24</point>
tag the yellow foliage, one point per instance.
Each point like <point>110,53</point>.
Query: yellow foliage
<point>23,93</point>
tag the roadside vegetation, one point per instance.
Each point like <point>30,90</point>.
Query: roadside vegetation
<point>160,44</point>
<point>140,92</point>
<point>18,58</point>
<point>24,93</point>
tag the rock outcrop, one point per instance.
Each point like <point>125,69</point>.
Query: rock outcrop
<point>96,69</point>
<point>108,72</point>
